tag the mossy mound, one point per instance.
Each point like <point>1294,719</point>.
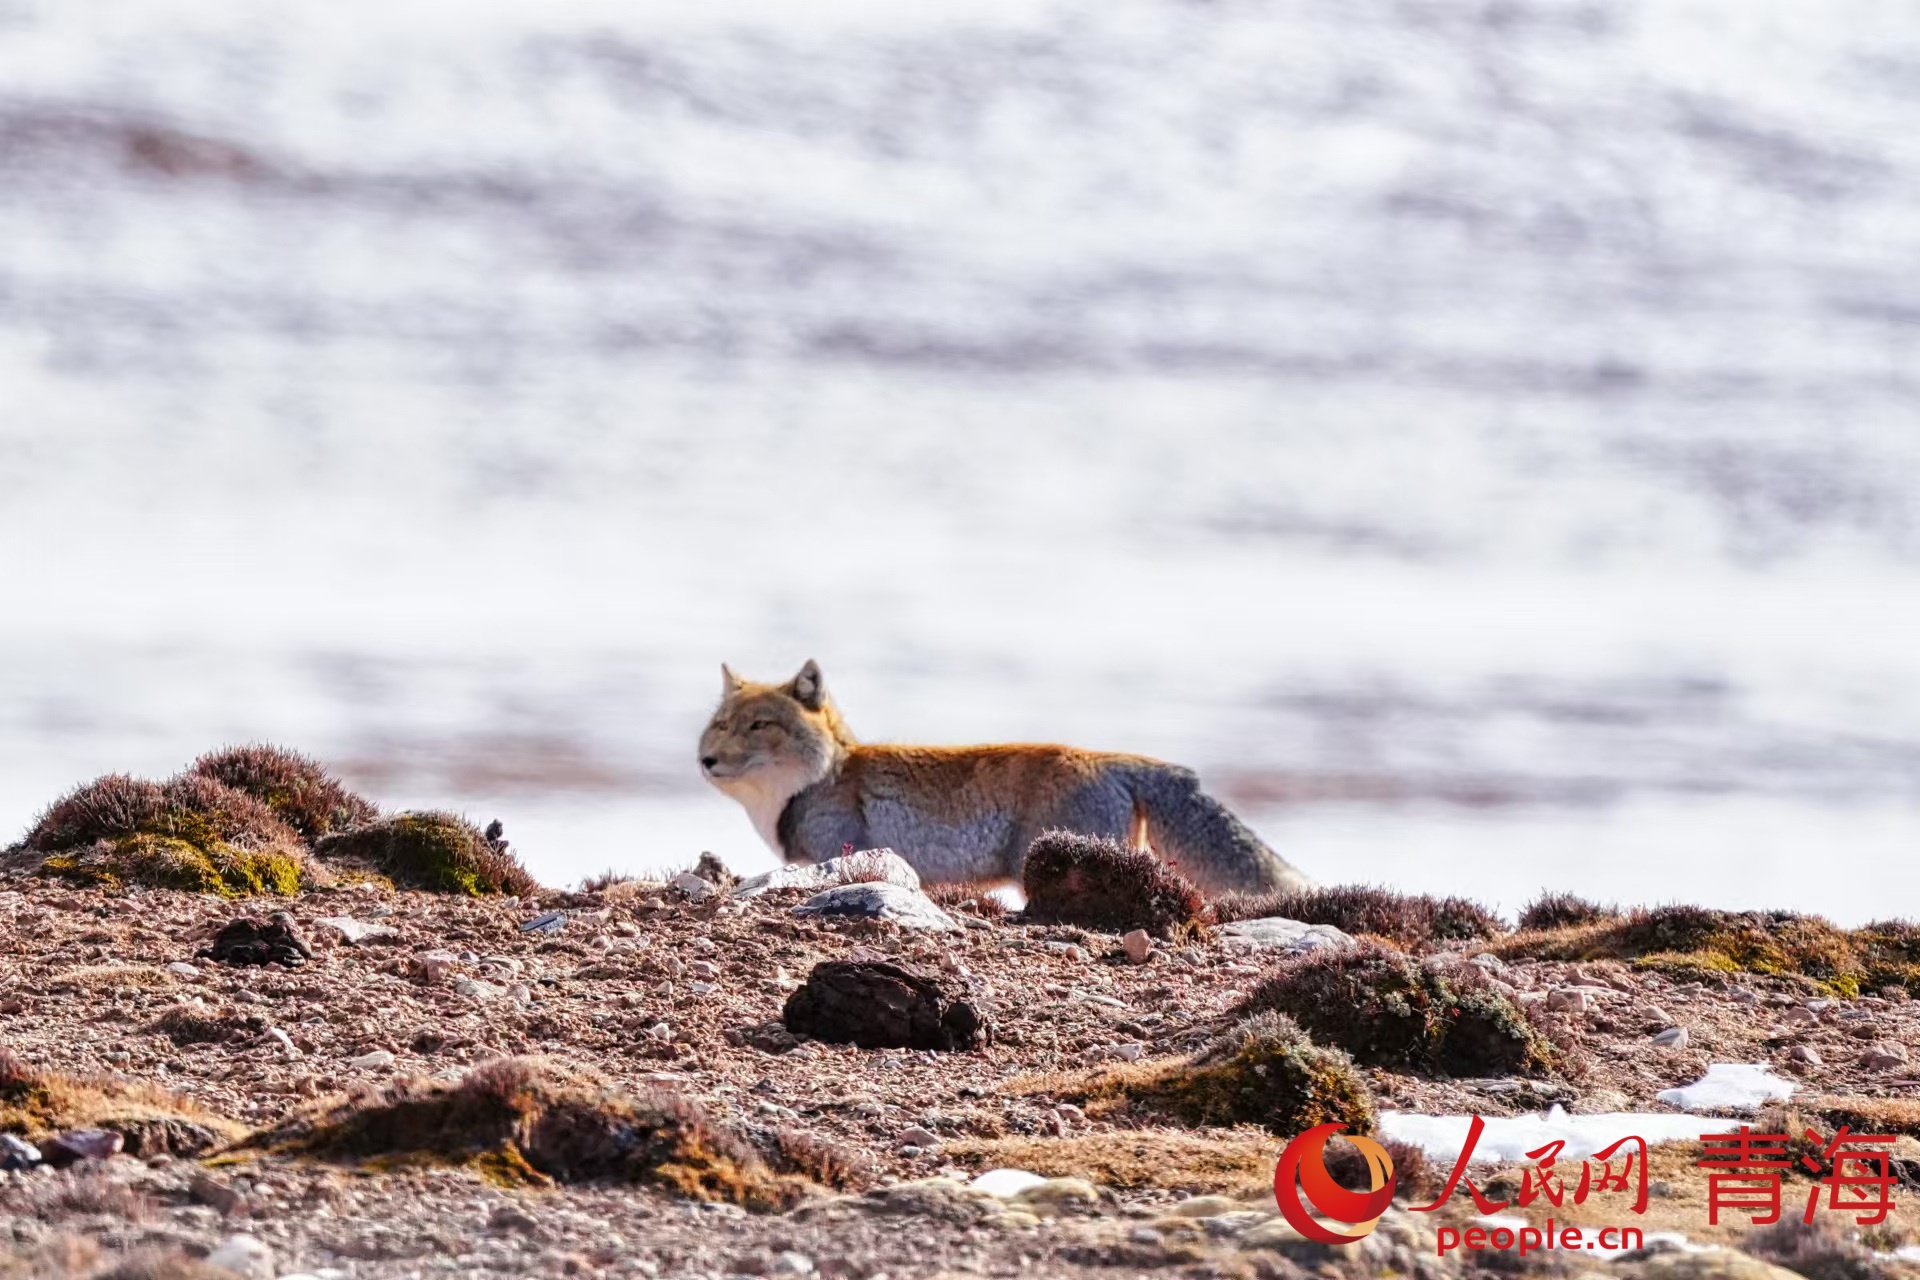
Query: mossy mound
<point>1409,919</point>
<point>1262,1072</point>
<point>1695,943</point>
<point>529,1120</point>
<point>37,1104</point>
<point>1389,1011</point>
<point>192,833</point>
<point>430,850</point>
<point>1102,884</point>
<point>297,788</point>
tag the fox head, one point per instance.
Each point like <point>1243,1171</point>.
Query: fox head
<point>767,742</point>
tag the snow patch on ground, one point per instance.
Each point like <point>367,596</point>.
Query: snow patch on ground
<point>1729,1086</point>
<point>1508,1139</point>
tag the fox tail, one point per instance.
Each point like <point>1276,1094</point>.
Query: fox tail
<point>1198,834</point>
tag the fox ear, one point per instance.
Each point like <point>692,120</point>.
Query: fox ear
<point>807,688</point>
<point>729,682</point>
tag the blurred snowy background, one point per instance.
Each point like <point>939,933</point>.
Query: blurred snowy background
<point>1479,435</point>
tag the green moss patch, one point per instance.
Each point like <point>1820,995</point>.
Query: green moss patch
<point>520,1120</point>
<point>192,834</point>
<point>441,852</point>
<point>1695,943</point>
<point>1387,1010</point>
<point>1265,1071</point>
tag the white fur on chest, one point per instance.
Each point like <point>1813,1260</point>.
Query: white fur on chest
<point>764,794</point>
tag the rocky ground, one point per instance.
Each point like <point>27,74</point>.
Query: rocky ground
<point>651,988</point>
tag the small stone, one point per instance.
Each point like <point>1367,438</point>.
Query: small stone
<point>693,887</point>
<point>1004,1184</point>
<point>81,1144</point>
<point>1070,1115</point>
<point>371,1061</point>
<point>1132,1051</point>
<point>430,967</point>
<point>475,988</point>
<point>550,922</point>
<point>704,969</point>
<point>660,1031</point>
<point>1568,1000</point>
<point>181,969</point>
<point>1144,1234</point>
<point>1805,1053</point>
<point>920,1136</point>
<point>1672,1038</point>
<point>280,1037</point>
<point>354,931</point>
<point>1057,1195</point>
<point>17,1153</point>
<point>520,993</point>
<point>791,1263</point>
<point>1654,1013</point>
<point>1138,946</point>
<point>1204,1207</point>
<point>1884,1055</point>
<point>244,1256</point>
<point>1802,1014</point>
<point>211,1191</point>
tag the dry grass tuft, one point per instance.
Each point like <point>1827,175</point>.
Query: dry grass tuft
<point>530,1120</point>
<point>1237,1161</point>
<point>441,852</point>
<point>1387,1010</point>
<point>1695,943</point>
<point>1864,1115</point>
<point>1412,920</point>
<point>295,787</point>
<point>36,1104</point>
<point>1102,884</point>
<point>1820,1250</point>
<point>1264,1071</point>
<point>970,898</point>
<point>1561,910</point>
<point>819,1159</point>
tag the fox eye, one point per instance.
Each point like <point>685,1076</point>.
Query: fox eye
<point>760,724</point>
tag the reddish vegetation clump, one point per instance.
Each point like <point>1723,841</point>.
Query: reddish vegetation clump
<point>296,787</point>
<point>1408,919</point>
<point>1103,884</point>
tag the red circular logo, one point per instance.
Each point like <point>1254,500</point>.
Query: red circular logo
<point>1302,1180</point>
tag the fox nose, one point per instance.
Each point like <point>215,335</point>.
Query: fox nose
<point>707,762</point>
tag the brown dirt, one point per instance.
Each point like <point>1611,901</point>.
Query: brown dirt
<point>85,994</point>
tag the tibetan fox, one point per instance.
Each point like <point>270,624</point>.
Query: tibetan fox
<point>959,813</point>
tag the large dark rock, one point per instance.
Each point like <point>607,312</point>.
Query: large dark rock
<point>250,942</point>
<point>879,1005</point>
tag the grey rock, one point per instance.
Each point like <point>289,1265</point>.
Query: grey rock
<point>1807,1054</point>
<point>1884,1056</point>
<point>244,1256</point>
<point>212,1192</point>
<point>908,908</point>
<point>357,931</point>
<point>81,1144</point>
<point>1672,1038</point>
<point>693,886</point>
<point>1138,946</point>
<point>878,866</point>
<point>1277,933</point>
<point>17,1153</point>
<point>549,922</point>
